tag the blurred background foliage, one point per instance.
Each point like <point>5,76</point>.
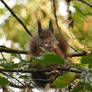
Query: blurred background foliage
<point>43,10</point>
<point>83,22</point>
<point>78,36</point>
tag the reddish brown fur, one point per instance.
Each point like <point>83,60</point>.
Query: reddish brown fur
<point>53,39</point>
<point>51,42</point>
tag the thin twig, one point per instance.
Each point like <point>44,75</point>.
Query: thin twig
<point>78,54</point>
<point>86,3</point>
<point>14,85</point>
<point>18,86</point>
<point>3,56</point>
<point>7,75</point>
<point>56,20</point>
<point>17,18</point>
<point>32,71</point>
<point>55,15</point>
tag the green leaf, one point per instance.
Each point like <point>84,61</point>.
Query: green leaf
<point>9,65</point>
<point>13,54</point>
<point>25,77</point>
<point>88,87</point>
<point>81,39</point>
<point>23,63</point>
<point>3,81</point>
<point>77,88</point>
<point>81,86</point>
<point>87,60</point>
<point>50,58</point>
<point>79,10</point>
<point>64,80</point>
<point>90,54</point>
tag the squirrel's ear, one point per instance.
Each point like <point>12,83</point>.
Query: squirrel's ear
<point>51,26</point>
<point>39,27</point>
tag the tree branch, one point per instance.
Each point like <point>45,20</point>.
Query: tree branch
<point>17,18</point>
<point>86,3</point>
<point>32,71</point>
<point>19,86</point>
<point>9,50</point>
<point>7,75</point>
<point>14,85</point>
<point>78,54</point>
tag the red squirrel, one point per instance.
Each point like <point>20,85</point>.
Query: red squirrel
<point>50,41</point>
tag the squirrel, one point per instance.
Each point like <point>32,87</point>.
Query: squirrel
<point>50,41</point>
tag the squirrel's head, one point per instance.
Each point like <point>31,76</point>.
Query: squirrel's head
<point>46,36</point>
<point>48,40</point>
<point>45,33</point>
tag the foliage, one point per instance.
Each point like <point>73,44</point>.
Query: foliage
<point>3,81</point>
<point>50,58</point>
<point>82,18</point>
<point>12,30</point>
<point>81,87</point>
<point>64,80</point>
<point>87,60</point>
